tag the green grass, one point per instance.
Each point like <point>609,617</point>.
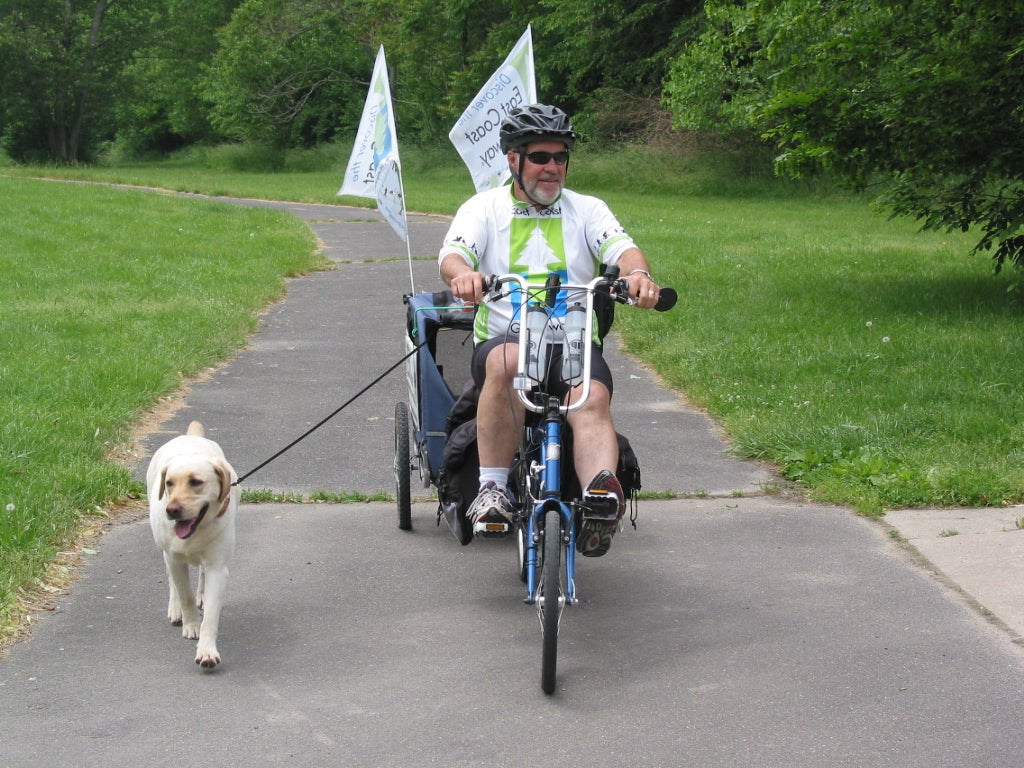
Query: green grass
<point>110,299</point>
<point>875,366</point>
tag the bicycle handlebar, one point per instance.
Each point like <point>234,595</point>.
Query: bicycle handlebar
<point>609,284</point>
<point>618,289</point>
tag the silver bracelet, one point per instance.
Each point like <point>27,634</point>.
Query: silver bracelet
<point>640,272</point>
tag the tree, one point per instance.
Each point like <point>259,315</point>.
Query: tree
<point>287,72</point>
<point>440,52</point>
<point>922,99</point>
<point>723,74</point>
<point>62,65</point>
<point>161,107</point>
<point>623,44</point>
<point>76,75</point>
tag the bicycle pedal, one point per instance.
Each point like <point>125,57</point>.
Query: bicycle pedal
<point>491,530</point>
<point>598,505</point>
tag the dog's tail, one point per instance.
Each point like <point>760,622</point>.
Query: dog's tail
<point>195,429</point>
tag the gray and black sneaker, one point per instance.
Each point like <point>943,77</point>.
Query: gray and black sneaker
<point>603,506</point>
<point>490,512</point>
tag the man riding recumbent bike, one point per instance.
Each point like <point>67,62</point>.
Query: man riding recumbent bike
<point>544,506</point>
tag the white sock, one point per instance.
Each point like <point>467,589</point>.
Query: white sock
<point>496,475</point>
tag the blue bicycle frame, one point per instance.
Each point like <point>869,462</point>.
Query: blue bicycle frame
<point>551,459</point>
<point>549,472</point>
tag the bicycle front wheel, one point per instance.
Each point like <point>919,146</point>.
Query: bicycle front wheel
<point>551,597</point>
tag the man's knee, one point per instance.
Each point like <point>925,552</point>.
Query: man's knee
<point>598,402</point>
<point>501,362</point>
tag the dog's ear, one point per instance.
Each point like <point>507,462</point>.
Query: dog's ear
<point>163,482</point>
<point>224,475</point>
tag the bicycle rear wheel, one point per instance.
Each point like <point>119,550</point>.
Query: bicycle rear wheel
<point>551,597</point>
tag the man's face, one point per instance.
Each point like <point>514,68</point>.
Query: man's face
<point>543,182</point>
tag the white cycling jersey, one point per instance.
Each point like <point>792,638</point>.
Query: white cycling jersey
<point>497,234</point>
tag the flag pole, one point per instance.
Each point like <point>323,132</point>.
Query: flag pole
<point>408,241</point>
<point>408,253</point>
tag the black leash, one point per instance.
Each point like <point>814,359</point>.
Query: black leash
<point>314,428</point>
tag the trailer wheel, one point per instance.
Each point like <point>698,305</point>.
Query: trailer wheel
<point>402,467</point>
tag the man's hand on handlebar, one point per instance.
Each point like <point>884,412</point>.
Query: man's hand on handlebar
<point>643,291</point>
<point>468,286</point>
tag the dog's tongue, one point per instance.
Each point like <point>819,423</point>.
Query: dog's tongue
<point>185,528</point>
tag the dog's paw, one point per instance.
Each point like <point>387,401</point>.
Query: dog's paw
<point>174,613</point>
<point>190,631</point>
<point>207,658</point>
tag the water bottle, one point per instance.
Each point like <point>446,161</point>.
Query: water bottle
<point>536,348</point>
<point>572,346</point>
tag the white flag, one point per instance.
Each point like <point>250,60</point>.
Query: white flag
<point>475,135</point>
<point>389,194</point>
<point>376,149</point>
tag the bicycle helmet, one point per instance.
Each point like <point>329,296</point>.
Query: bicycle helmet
<point>535,122</point>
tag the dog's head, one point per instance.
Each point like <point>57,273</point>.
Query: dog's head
<point>193,485</point>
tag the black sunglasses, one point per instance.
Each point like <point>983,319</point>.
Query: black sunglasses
<point>543,158</point>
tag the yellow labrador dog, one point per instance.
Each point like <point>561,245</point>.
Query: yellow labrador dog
<point>192,506</point>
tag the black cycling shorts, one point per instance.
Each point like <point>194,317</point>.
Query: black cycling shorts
<point>599,370</point>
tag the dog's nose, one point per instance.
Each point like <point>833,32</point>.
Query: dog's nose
<point>174,511</point>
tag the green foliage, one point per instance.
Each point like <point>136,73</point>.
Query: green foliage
<point>162,107</point>
<point>590,45</point>
<point>719,79</point>
<point>917,101</point>
<point>162,74</point>
<point>922,99</point>
<point>287,73</point>
<point>441,53</point>
<point>61,74</point>
<point>927,96</point>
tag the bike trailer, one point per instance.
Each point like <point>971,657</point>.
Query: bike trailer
<point>435,374</point>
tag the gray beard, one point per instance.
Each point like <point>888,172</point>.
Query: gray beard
<point>544,200</point>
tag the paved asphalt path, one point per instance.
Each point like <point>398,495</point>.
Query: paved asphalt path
<point>731,629</point>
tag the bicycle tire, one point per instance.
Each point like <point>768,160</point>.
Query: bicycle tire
<point>551,593</point>
<point>521,546</point>
<point>402,467</point>
<point>520,486</point>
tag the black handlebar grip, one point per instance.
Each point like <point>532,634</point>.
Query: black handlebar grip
<point>666,299</point>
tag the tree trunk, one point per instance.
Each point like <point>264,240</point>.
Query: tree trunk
<point>73,85</point>
<point>82,91</point>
